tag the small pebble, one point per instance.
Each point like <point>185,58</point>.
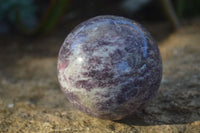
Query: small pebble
<point>10,105</point>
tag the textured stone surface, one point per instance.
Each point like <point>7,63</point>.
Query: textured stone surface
<point>109,67</point>
<point>31,99</point>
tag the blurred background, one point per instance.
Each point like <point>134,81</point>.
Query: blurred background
<point>36,17</point>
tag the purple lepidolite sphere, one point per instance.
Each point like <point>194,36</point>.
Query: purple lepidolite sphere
<point>109,67</point>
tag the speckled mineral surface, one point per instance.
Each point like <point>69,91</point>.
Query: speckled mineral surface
<point>109,67</point>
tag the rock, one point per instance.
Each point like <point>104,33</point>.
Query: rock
<point>109,67</point>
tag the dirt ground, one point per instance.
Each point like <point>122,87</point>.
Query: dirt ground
<point>31,100</point>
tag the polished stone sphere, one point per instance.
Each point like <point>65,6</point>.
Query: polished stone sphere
<point>109,67</point>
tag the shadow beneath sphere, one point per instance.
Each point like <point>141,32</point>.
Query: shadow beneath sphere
<point>135,119</point>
